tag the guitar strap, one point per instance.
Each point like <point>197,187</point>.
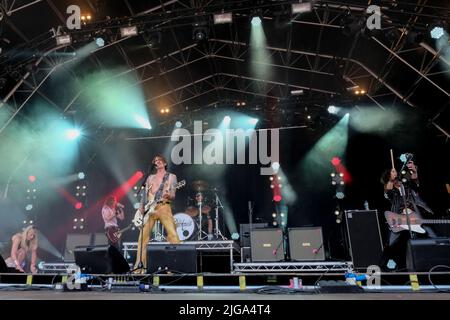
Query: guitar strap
<point>158,194</point>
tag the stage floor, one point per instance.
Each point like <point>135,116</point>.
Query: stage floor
<point>93,295</point>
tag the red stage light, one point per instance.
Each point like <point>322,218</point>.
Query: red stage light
<point>277,198</point>
<point>335,161</point>
<point>78,205</point>
<point>32,178</point>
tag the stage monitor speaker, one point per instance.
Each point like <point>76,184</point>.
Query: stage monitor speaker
<point>3,266</point>
<point>267,245</point>
<point>73,240</point>
<point>245,232</point>
<point>179,258</point>
<point>306,244</point>
<point>100,260</point>
<point>99,239</point>
<point>363,230</point>
<point>424,254</point>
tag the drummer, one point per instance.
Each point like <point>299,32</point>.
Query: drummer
<point>192,210</point>
<point>206,210</point>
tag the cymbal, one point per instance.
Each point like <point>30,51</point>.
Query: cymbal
<point>199,185</point>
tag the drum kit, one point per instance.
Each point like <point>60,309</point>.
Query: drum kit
<point>192,226</point>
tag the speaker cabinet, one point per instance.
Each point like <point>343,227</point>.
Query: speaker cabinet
<point>364,237</point>
<point>72,241</point>
<point>306,244</point>
<point>180,258</point>
<point>100,260</point>
<point>424,254</point>
<point>99,239</point>
<point>267,245</point>
<point>245,232</point>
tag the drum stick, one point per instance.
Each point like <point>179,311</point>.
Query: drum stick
<point>392,159</point>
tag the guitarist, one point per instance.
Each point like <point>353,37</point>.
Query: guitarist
<point>392,191</point>
<point>111,211</point>
<point>157,186</point>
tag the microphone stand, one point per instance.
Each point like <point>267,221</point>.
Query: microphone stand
<point>403,195</point>
<point>140,264</point>
<point>218,205</point>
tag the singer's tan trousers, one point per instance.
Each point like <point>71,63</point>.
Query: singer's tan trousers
<point>164,214</point>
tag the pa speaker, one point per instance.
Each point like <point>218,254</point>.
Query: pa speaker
<point>364,237</point>
<point>306,244</point>
<point>180,258</point>
<point>424,254</point>
<point>3,266</point>
<point>99,239</point>
<point>73,240</point>
<point>267,245</point>
<point>100,260</point>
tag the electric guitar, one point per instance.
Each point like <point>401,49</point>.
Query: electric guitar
<point>397,222</point>
<point>141,219</point>
<point>114,234</point>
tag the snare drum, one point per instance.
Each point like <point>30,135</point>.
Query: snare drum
<point>186,227</point>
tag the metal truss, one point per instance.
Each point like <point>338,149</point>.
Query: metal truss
<point>265,267</point>
<point>57,267</point>
<point>199,245</point>
<point>326,15</point>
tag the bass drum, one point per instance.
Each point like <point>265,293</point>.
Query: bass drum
<point>186,227</point>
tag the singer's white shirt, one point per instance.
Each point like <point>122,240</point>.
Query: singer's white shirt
<point>109,212</point>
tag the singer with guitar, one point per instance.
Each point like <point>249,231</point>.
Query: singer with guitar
<point>402,192</point>
<point>159,186</point>
<point>111,211</point>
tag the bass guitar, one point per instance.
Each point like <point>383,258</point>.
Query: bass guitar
<point>114,233</point>
<point>397,222</point>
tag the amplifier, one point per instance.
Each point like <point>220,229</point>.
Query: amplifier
<point>306,244</point>
<point>267,245</point>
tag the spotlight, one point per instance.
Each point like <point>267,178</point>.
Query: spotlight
<point>333,174</point>
<point>235,236</point>
<point>437,32</point>
<point>78,205</point>
<point>72,134</point>
<point>100,42</point>
<point>332,109</point>
<point>253,121</point>
<point>256,21</point>
<point>137,205</point>
<point>277,198</point>
<point>223,18</point>
<point>32,178</point>
<point>275,223</point>
<point>274,215</point>
<point>81,175</point>
<point>227,120</point>
<point>275,166</point>
<point>340,195</point>
<point>29,207</point>
<point>336,212</point>
<point>338,220</point>
<point>178,124</point>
